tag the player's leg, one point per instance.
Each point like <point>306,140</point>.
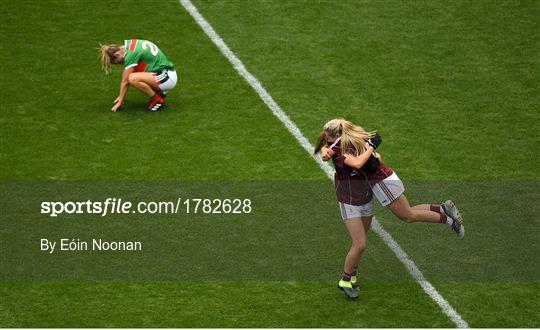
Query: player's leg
<point>390,193</point>
<point>445,213</point>
<point>401,209</point>
<point>366,221</point>
<point>144,82</point>
<point>447,208</point>
<point>147,83</point>
<point>425,207</point>
<point>355,227</point>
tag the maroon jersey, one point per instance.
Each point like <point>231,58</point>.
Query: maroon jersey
<point>352,185</point>
<point>382,173</point>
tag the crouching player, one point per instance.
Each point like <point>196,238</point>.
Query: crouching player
<point>145,67</point>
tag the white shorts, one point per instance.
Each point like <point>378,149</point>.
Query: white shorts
<point>166,80</point>
<point>389,189</point>
<point>349,211</point>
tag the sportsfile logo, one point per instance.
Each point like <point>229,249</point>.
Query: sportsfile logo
<point>119,206</point>
<point>109,206</point>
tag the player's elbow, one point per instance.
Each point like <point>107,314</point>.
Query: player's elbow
<point>358,164</point>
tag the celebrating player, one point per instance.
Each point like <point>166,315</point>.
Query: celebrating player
<point>355,200</point>
<point>145,67</point>
<point>361,160</point>
<point>386,185</point>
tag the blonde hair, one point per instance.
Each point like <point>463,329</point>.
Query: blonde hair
<point>351,135</point>
<point>106,53</point>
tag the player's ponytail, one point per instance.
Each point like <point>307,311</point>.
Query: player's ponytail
<point>321,141</point>
<point>106,53</point>
<point>331,128</point>
<point>351,135</point>
<point>355,136</point>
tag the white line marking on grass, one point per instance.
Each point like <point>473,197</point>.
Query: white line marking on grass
<point>418,276</point>
<point>295,131</point>
<point>254,83</point>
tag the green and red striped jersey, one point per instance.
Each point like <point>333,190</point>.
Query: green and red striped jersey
<point>145,56</point>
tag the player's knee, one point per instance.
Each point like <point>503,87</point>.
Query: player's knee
<point>359,247</point>
<point>407,217</point>
<point>132,79</point>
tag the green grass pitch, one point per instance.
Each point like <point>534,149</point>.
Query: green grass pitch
<point>451,86</point>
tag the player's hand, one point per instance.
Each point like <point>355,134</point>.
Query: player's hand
<point>327,151</point>
<point>116,106</point>
<point>375,141</point>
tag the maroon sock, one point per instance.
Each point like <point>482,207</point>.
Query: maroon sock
<point>353,272</point>
<point>435,208</point>
<point>346,277</point>
<point>443,218</point>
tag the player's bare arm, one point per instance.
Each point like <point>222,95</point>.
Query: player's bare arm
<point>124,85</point>
<point>360,160</point>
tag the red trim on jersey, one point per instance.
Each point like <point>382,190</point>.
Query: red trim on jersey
<point>132,45</point>
<point>141,66</point>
